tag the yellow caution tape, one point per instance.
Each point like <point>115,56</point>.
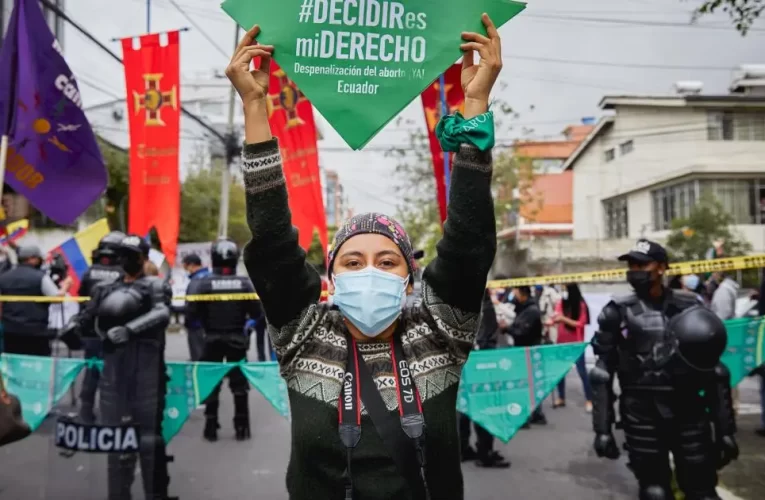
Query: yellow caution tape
<point>681,268</point>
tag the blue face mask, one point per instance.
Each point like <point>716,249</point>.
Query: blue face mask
<point>370,299</point>
<point>691,281</point>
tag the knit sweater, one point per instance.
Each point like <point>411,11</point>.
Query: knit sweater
<point>310,339</point>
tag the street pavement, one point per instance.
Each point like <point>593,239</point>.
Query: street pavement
<point>549,462</point>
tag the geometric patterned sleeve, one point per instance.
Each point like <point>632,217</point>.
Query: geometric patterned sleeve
<point>289,288</point>
<point>454,282</point>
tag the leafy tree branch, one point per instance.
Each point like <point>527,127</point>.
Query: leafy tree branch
<point>743,13</point>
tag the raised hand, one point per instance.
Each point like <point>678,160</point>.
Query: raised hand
<point>252,85</point>
<point>477,80</point>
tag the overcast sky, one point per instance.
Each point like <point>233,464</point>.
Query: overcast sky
<point>544,48</point>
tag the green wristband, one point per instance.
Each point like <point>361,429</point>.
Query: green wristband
<point>454,130</point>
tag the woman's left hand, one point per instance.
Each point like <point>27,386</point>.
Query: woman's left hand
<point>478,80</point>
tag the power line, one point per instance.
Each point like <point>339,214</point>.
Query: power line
<point>60,13</point>
<point>617,64</point>
<point>200,29</point>
<point>634,22</point>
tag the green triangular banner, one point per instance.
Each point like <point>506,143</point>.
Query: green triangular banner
<point>38,381</point>
<point>746,349</point>
<point>360,63</point>
<point>265,377</point>
<point>501,387</point>
<point>188,387</point>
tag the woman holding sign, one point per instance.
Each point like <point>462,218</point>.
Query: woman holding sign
<point>372,384</point>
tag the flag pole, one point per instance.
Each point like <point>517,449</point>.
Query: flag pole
<point>148,16</point>
<point>445,112</point>
<point>3,160</point>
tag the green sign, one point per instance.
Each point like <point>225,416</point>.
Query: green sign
<point>39,382</point>
<point>188,387</point>
<point>360,62</point>
<point>501,387</point>
<point>744,351</point>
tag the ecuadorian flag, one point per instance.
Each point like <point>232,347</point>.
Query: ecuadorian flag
<point>13,231</point>
<point>77,250</point>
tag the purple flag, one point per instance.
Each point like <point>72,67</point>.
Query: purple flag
<point>53,157</point>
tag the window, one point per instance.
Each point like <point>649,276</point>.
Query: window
<point>609,154</point>
<point>615,212</point>
<point>736,126</point>
<point>736,197</point>
<point>626,147</point>
<point>547,165</point>
<point>672,202</point>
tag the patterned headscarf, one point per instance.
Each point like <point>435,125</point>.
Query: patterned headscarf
<point>378,224</point>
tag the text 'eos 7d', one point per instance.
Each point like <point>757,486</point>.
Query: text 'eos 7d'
<point>362,45</point>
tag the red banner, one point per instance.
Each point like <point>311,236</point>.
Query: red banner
<point>431,103</point>
<point>291,118</point>
<point>152,79</point>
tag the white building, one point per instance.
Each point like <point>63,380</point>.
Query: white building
<point>652,160</point>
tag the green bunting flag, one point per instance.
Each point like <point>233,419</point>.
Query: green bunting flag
<point>361,62</point>
<point>188,387</point>
<point>501,387</point>
<point>39,382</point>
<point>265,377</point>
<point>745,347</point>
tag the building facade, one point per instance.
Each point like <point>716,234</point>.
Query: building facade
<point>335,199</point>
<point>545,188</point>
<point>56,23</point>
<point>657,156</point>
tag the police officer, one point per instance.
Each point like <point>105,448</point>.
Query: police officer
<point>674,390</point>
<point>105,269</point>
<point>131,315</point>
<point>223,324</point>
<point>192,264</point>
<point>25,324</point>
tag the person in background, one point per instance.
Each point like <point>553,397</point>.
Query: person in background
<point>760,370</point>
<point>547,298</point>
<point>526,331</point>
<point>223,324</point>
<point>104,270</point>
<point>504,309</point>
<point>151,269</point>
<point>724,298</point>
<point>711,286</point>
<point>195,334</point>
<point>25,324</point>
<point>692,283</point>
<point>484,453</point>
<point>675,282</point>
<point>571,317</point>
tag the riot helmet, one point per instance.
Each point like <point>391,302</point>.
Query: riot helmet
<point>701,337</point>
<point>224,254</point>
<point>133,251</point>
<point>108,247</point>
<point>30,255</point>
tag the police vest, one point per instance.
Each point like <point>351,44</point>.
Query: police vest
<point>30,318</point>
<point>647,354</point>
<point>222,318</point>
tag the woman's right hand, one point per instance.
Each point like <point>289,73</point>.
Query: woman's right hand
<point>252,85</point>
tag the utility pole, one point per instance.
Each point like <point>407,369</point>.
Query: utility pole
<point>232,146</point>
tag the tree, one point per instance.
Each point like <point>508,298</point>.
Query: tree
<point>114,203</point>
<point>200,206</point>
<point>743,13</point>
<point>693,236</point>
<point>316,255</point>
<point>415,184</point>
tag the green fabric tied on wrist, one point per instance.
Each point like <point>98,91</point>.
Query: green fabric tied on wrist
<point>454,130</point>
